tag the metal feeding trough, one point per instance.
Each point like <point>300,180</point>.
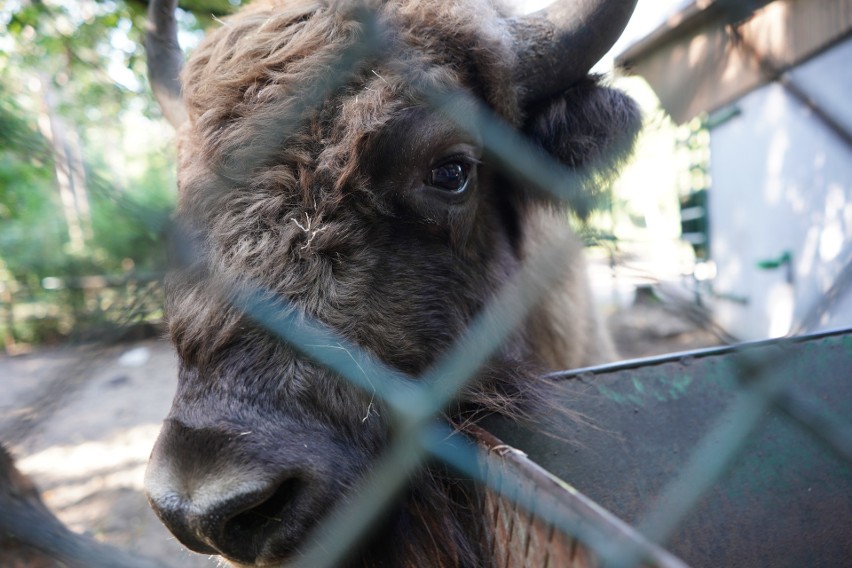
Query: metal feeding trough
<point>771,419</point>
<point>533,519</point>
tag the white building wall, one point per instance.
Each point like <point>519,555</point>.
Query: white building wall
<point>782,181</point>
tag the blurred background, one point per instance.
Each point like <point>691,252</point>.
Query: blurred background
<point>732,222</point>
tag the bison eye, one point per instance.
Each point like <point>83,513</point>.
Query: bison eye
<point>450,176</point>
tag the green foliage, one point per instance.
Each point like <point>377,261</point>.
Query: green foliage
<point>26,195</point>
<point>206,11</point>
<point>24,163</point>
<point>131,223</point>
<point>80,64</point>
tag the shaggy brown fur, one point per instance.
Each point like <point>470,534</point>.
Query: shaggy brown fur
<point>323,204</point>
<point>32,537</point>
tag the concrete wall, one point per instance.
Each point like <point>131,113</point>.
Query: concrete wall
<point>782,181</point>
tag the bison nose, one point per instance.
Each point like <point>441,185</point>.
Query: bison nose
<point>216,500</point>
<point>243,526</point>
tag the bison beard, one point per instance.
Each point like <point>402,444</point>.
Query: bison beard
<point>383,219</point>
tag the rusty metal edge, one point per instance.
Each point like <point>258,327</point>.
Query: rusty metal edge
<point>690,355</point>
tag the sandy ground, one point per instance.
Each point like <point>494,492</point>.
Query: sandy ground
<point>82,422</point>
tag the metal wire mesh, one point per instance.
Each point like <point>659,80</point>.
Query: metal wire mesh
<point>521,516</point>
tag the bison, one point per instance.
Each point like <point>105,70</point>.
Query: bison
<point>32,537</point>
<point>319,171</point>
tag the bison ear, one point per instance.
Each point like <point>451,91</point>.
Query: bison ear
<point>589,128</point>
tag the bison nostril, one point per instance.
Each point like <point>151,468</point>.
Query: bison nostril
<point>243,527</point>
<point>266,516</point>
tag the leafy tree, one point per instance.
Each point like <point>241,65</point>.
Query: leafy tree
<point>75,108</point>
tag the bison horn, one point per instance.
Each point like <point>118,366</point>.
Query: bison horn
<point>165,60</point>
<point>558,45</point>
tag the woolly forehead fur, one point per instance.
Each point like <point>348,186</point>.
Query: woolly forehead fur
<point>267,191</point>
<point>247,80</point>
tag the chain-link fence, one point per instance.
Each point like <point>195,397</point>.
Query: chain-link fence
<point>530,518</point>
<point>416,402</point>
<point>525,525</point>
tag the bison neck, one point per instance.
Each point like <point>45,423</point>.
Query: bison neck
<point>564,328</point>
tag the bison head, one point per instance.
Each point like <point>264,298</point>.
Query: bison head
<point>320,172</point>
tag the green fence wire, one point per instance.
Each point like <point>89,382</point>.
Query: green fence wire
<point>417,404</point>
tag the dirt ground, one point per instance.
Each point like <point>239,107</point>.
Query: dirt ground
<point>82,421</point>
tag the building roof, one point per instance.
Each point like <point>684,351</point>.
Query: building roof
<point>715,51</point>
